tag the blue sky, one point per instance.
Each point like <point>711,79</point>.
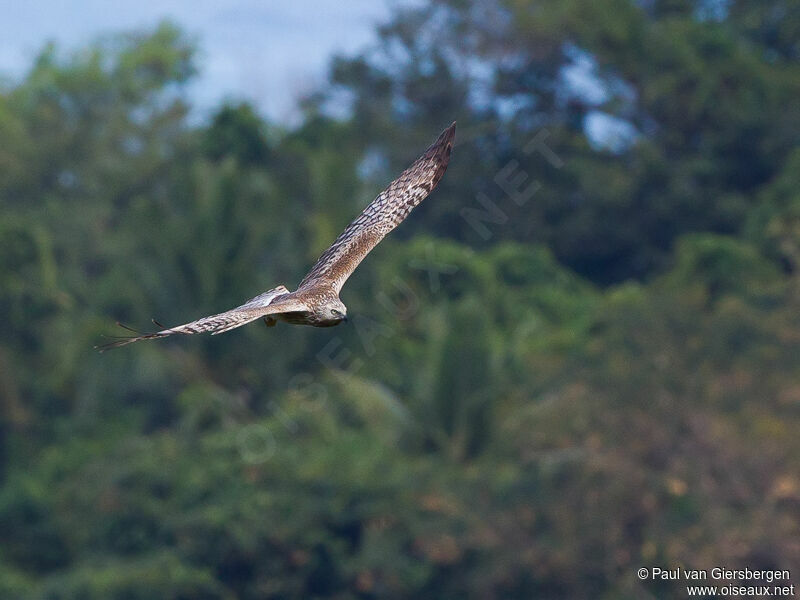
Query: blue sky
<point>266,51</point>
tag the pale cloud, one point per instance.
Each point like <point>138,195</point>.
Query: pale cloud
<point>267,52</point>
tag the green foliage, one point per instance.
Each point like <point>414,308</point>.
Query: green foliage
<point>237,131</point>
<point>710,114</point>
<point>604,377</point>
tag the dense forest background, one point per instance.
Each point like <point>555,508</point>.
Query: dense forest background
<point>579,357</point>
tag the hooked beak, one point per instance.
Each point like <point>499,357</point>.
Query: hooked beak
<point>345,319</point>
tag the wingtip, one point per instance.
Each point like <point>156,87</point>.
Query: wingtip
<point>446,137</point>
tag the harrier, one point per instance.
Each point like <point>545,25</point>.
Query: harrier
<point>316,300</point>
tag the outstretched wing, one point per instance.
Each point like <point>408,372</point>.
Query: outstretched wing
<point>382,215</point>
<point>268,303</point>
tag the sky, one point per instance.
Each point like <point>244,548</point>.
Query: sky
<point>268,52</point>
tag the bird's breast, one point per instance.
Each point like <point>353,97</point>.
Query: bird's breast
<point>296,318</point>
<point>307,318</point>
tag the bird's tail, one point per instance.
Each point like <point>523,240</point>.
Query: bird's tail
<point>124,340</point>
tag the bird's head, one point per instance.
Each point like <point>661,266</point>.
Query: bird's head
<point>335,312</point>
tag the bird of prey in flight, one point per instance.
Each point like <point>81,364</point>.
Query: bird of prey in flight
<point>316,300</point>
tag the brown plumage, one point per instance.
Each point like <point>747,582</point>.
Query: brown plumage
<point>316,301</point>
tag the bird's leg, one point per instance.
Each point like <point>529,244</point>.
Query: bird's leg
<point>270,321</point>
